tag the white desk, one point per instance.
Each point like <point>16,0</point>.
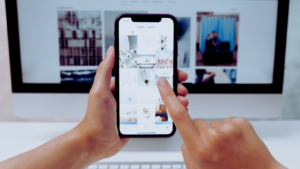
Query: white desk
<point>281,137</point>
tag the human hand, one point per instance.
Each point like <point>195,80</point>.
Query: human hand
<point>99,126</point>
<point>210,76</point>
<point>231,143</point>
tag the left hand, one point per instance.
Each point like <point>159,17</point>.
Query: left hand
<point>99,126</point>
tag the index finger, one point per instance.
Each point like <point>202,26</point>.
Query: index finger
<point>179,114</point>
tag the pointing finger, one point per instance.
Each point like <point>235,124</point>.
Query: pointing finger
<point>178,113</point>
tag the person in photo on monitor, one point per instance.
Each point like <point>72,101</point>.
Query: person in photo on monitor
<point>213,41</point>
<point>228,144</point>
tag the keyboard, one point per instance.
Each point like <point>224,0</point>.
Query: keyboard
<point>138,165</point>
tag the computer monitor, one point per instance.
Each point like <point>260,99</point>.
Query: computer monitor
<point>232,50</point>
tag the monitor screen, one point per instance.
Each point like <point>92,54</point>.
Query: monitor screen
<point>222,42</point>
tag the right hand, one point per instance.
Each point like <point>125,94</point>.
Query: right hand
<point>231,143</point>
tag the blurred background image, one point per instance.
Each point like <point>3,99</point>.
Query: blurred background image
<point>78,76</point>
<point>80,45</point>
<point>80,38</point>
<point>217,36</point>
<point>216,76</point>
<point>184,35</point>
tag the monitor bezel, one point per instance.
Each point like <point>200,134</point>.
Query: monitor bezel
<point>276,88</point>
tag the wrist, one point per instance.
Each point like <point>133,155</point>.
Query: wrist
<point>86,144</point>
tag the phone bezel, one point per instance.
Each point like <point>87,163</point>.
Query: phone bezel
<point>143,18</point>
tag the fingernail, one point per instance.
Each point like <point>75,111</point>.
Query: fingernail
<point>162,82</point>
<point>109,51</point>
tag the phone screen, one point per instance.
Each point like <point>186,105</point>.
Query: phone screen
<point>146,54</point>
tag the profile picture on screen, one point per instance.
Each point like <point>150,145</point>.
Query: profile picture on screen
<point>217,39</point>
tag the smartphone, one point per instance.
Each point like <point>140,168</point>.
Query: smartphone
<point>146,50</point>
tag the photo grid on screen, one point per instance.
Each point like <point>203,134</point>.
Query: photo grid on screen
<point>142,61</point>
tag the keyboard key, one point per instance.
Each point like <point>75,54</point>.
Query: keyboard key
<point>183,166</point>
<point>145,167</point>
<point>93,167</point>
<point>135,166</point>
<point>166,166</point>
<point>124,166</point>
<point>176,166</point>
<point>156,166</point>
<point>103,166</point>
<point>113,166</point>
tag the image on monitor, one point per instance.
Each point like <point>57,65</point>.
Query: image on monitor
<point>217,39</point>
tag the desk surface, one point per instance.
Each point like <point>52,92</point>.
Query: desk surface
<point>281,137</point>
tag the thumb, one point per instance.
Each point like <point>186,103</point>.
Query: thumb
<point>101,101</point>
<point>104,71</point>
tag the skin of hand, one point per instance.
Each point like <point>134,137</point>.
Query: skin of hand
<point>228,144</point>
<point>211,36</point>
<point>95,137</point>
<point>211,75</point>
<point>213,42</point>
<point>208,36</point>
